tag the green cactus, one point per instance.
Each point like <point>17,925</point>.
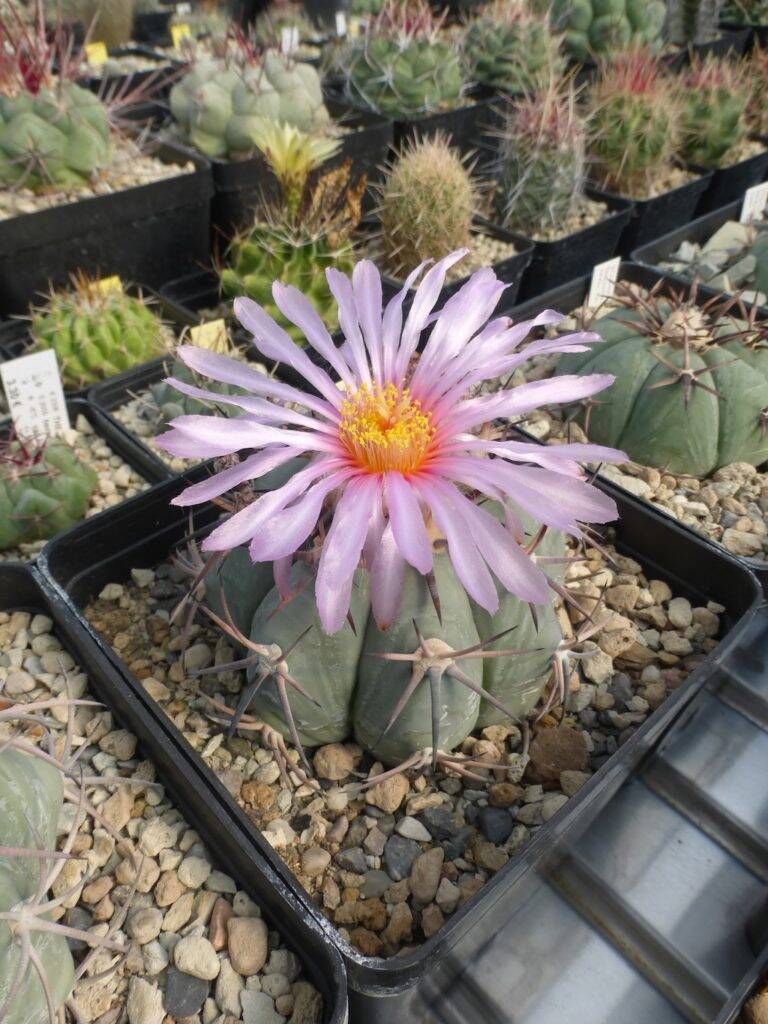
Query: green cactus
<point>31,796</point>
<point>512,49</point>
<point>221,108</point>
<point>96,333</point>
<point>691,389</point>
<point>350,691</point>
<point>426,204</point>
<point>54,139</point>
<point>43,490</point>
<point>635,122</point>
<point>593,28</point>
<point>745,12</point>
<point>542,162</point>
<point>693,21</point>
<point>401,68</point>
<point>107,21</point>
<point>715,97</point>
<point>172,403</point>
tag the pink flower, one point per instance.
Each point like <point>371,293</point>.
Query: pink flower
<point>393,440</point>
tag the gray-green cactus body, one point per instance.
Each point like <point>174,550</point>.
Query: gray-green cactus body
<point>693,21</point>
<point>30,805</point>
<point>596,27</point>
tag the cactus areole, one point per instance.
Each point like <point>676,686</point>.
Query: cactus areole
<point>383,590</point>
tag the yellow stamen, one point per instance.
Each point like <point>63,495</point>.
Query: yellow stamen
<point>383,428</point>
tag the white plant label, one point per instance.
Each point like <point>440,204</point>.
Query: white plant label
<point>35,396</point>
<point>341,23</point>
<point>755,200</point>
<point>289,39</point>
<point>604,278</point>
<point>182,9</point>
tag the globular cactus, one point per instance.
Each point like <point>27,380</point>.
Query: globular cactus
<point>221,108</point>
<point>510,48</point>
<point>426,204</point>
<point>635,122</point>
<point>595,28</point>
<point>692,21</point>
<point>691,389</point>
<point>52,138</point>
<point>541,167</point>
<point>171,402</point>
<point>97,333</point>
<point>106,21</point>
<point>401,67</point>
<point>31,796</point>
<point>714,95</point>
<point>43,489</point>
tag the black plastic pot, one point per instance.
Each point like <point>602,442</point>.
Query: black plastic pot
<point>22,588</point>
<point>13,339</point>
<point>152,27</point>
<point>155,80</point>
<point>758,34</point>
<point>651,218</point>
<point>141,533</point>
<point>553,263</point>
<point>728,184</point>
<point>149,233</point>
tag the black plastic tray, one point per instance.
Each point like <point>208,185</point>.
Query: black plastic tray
<point>24,588</point>
<point>149,233</point>
<point>141,532</point>
<point>155,80</point>
<point>730,183</point>
<point>758,34</point>
<point>152,27</point>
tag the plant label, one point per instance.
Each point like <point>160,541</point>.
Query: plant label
<point>604,278</point>
<point>183,9</point>
<point>341,23</point>
<point>96,54</point>
<point>755,200</point>
<point>35,396</point>
<point>179,33</point>
<point>212,335</point>
<point>289,39</point>
<point>110,284</point>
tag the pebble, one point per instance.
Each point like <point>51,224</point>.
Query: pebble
<point>314,861</point>
<point>333,762</point>
<point>259,1008</point>
<point>145,1002</point>
<point>229,986</point>
<point>145,925</point>
<point>388,795</point>
<point>248,944</point>
<point>554,751</point>
<point>399,855</point>
<point>495,824</point>
<point>196,956</point>
<point>352,859</point>
<point>425,875</point>
<point>447,896</point>
<point>184,993</point>
<point>194,871</point>
<point>411,828</point>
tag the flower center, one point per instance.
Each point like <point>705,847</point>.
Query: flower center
<point>383,428</point>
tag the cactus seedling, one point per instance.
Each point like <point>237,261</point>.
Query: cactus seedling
<point>97,333</point>
<point>401,67</point>
<point>635,121</point>
<point>44,489</point>
<point>715,95</point>
<point>693,21</point>
<point>541,167</point>
<point>426,204</point>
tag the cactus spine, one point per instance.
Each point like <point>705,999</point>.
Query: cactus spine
<point>715,96</point>
<point>426,205</point>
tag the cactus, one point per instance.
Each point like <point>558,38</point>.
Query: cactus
<point>43,489</point>
<point>693,21</point>
<point>715,96</point>
<point>595,28</point>
<point>756,73</point>
<point>171,403</point>
<point>745,12</point>
<point>54,138</point>
<point>691,390</point>
<point>542,161</point>
<point>106,21</point>
<point>512,49</point>
<point>96,333</point>
<point>401,67</point>
<point>635,122</point>
<point>220,108</point>
<point>426,204</point>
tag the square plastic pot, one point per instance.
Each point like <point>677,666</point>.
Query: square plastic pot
<point>728,184</point>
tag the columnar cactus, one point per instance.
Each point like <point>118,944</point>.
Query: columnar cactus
<point>96,333</point>
<point>426,204</point>
<point>511,48</point>
<point>693,21</point>
<point>595,28</point>
<point>43,490</point>
<point>635,121</point>
<point>691,389</point>
<point>541,166</point>
<point>401,67</point>
<point>715,96</point>
<point>221,108</point>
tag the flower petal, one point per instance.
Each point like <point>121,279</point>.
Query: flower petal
<point>249,469</point>
<point>392,323</point>
<point>387,577</point>
<point>407,522</point>
<point>341,289</point>
<point>297,308</point>
<point>366,283</point>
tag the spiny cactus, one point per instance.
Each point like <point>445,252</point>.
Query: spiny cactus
<point>106,21</point>
<point>97,333</point>
<point>635,122</point>
<point>715,95</point>
<point>44,489</point>
<point>595,28</point>
<point>221,107</point>
<point>426,204</point>
<point>401,67</point>
<point>745,12</point>
<point>691,390</point>
<point>541,166</point>
<point>693,21</point>
<point>510,48</point>
<point>756,73</point>
<point>171,402</point>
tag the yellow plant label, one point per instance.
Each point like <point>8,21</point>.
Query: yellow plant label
<point>179,33</point>
<point>96,53</point>
<point>110,284</point>
<point>212,335</point>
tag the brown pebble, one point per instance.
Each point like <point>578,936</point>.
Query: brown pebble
<point>504,794</point>
<point>221,913</point>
